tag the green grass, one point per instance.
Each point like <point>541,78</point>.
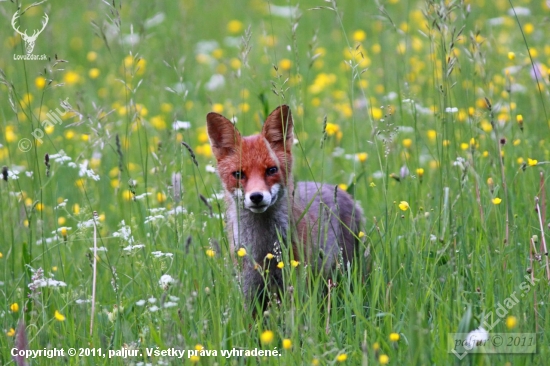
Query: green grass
<point>418,106</point>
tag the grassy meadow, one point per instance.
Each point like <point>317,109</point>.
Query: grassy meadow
<point>435,115</point>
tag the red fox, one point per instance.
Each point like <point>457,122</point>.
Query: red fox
<point>266,212</point>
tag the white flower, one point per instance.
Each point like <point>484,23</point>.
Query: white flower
<point>476,337</point>
<point>170,304</point>
<point>166,280</point>
<point>140,303</point>
<point>181,125</point>
<point>153,308</point>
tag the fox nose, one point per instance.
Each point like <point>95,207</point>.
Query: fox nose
<point>256,197</point>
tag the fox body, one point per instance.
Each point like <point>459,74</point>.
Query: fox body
<point>265,210</point>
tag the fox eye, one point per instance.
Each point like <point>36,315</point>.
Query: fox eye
<point>238,174</point>
<point>271,171</point>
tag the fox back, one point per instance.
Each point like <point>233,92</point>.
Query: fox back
<point>266,212</point>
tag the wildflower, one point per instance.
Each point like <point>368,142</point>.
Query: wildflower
<point>285,64</point>
<point>332,129</point>
<point>372,185</point>
<point>94,73</point>
<point>71,78</point>
<point>362,157</point>
<point>235,26</point>
<point>199,347</point>
<point>511,322</point>
<point>287,343</point>
<point>361,234</point>
<point>269,256</point>
<point>394,337</point>
<point>511,56</point>
<point>341,357</point>
<point>166,280</point>
<point>496,201</point>
<point>267,337</point>
<point>420,173</point>
<point>294,263</point>
<point>404,205</point>
<point>383,359</point>
<point>532,162</point>
<point>11,332</point>
<point>58,316</point>
<point>14,307</point>
<point>281,265</point>
<point>432,135</point>
<point>40,82</point>
<point>343,186</point>
<point>376,346</point>
<point>194,359</point>
<point>241,252</point>
<point>407,143</point>
<point>359,35</point>
<point>210,252</point>
<point>519,119</point>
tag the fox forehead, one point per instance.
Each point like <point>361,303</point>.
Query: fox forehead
<point>256,153</point>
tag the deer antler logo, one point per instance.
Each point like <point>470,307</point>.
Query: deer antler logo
<point>29,40</point>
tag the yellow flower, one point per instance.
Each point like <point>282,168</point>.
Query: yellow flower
<point>281,265</point>
<point>497,201</point>
<point>76,208</point>
<point>235,26</point>
<point>58,316</point>
<point>285,64</point>
<point>267,337</point>
<point>161,197</point>
<point>1,255</point>
<point>71,78</point>
<point>372,184</point>
<point>269,256</point>
<point>341,357</point>
<point>331,129</point>
<point>210,252</point>
<point>194,359</point>
<point>376,346</point>
<point>343,186</point>
<point>91,56</point>
<point>359,35</point>
<point>532,162</point>
<point>94,73</point>
<point>394,337</point>
<point>361,234</point>
<point>511,322</point>
<point>287,343</point>
<point>14,307</point>
<point>64,232</point>
<point>199,347</point>
<point>407,143</point>
<point>511,56</point>
<point>294,263</point>
<point>383,359</point>
<point>420,172</point>
<point>241,252</point>
<point>40,82</point>
<point>11,332</point>
<point>404,205</point>
<point>362,157</point>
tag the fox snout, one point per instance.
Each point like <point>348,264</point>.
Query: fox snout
<point>258,201</point>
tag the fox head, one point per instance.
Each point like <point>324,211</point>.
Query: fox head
<point>257,167</point>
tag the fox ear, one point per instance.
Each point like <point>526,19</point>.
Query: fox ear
<point>224,137</point>
<point>278,128</point>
